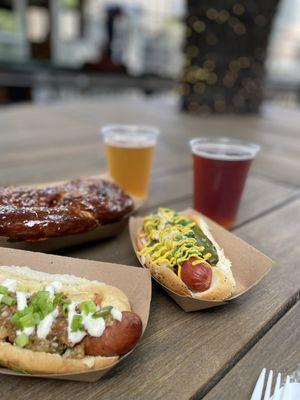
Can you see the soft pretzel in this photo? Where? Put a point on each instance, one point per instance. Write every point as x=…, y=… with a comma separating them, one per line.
x=74, y=207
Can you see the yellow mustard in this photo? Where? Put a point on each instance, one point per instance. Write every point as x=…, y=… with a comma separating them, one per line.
x=171, y=239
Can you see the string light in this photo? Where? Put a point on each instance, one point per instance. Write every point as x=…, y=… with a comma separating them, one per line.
x=223, y=16
x=211, y=13
x=233, y=21
x=212, y=79
x=199, y=26
x=199, y=87
x=234, y=66
x=238, y=9
x=210, y=65
x=225, y=81
x=183, y=89
x=240, y=29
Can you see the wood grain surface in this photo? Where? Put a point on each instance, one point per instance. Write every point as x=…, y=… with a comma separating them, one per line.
x=277, y=351
x=182, y=355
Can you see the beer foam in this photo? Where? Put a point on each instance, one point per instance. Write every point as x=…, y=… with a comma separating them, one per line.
x=225, y=151
x=123, y=140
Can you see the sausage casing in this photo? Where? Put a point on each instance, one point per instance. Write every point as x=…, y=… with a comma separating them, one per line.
x=197, y=277
x=117, y=339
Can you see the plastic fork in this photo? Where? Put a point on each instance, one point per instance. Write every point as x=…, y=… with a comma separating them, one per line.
x=260, y=394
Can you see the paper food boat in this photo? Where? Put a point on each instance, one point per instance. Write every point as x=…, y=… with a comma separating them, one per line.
x=249, y=265
x=135, y=283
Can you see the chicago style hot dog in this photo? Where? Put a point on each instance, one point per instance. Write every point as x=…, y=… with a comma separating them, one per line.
x=62, y=323
x=182, y=254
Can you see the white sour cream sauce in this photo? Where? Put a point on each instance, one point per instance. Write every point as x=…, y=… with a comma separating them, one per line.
x=10, y=284
x=116, y=314
x=94, y=326
x=28, y=331
x=21, y=300
x=74, y=337
x=44, y=327
x=53, y=288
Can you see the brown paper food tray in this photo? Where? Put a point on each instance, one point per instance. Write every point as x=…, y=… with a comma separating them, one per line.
x=135, y=282
x=249, y=265
x=48, y=245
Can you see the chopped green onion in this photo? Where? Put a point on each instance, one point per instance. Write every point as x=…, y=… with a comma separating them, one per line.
x=36, y=318
x=9, y=301
x=76, y=324
x=27, y=321
x=42, y=295
x=42, y=304
x=15, y=320
x=87, y=307
x=25, y=318
x=103, y=313
x=58, y=299
x=21, y=340
x=3, y=290
x=65, y=306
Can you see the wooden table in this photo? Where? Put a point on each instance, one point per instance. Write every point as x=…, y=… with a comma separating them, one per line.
x=215, y=354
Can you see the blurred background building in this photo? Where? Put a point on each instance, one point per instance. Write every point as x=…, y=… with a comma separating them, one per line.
x=53, y=49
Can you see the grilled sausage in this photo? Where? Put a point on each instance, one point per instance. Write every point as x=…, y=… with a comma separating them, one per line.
x=197, y=277
x=117, y=339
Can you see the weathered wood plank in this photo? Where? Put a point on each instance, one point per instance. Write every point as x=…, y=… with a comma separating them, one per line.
x=23, y=130
x=277, y=350
x=280, y=167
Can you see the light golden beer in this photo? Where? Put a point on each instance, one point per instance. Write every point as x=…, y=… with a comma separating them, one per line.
x=130, y=152
x=130, y=167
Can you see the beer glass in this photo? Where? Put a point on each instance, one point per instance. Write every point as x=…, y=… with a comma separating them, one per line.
x=129, y=151
x=221, y=167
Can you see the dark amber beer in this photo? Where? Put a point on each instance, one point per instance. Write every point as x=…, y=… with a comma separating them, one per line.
x=221, y=167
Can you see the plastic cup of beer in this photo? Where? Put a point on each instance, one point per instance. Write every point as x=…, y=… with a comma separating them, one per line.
x=130, y=151
x=221, y=167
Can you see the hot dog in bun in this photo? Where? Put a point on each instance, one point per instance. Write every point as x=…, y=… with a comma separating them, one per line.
x=181, y=254
x=62, y=323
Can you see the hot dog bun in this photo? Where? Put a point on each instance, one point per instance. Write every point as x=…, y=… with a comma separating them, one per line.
x=77, y=289
x=35, y=362
x=222, y=284
x=164, y=275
